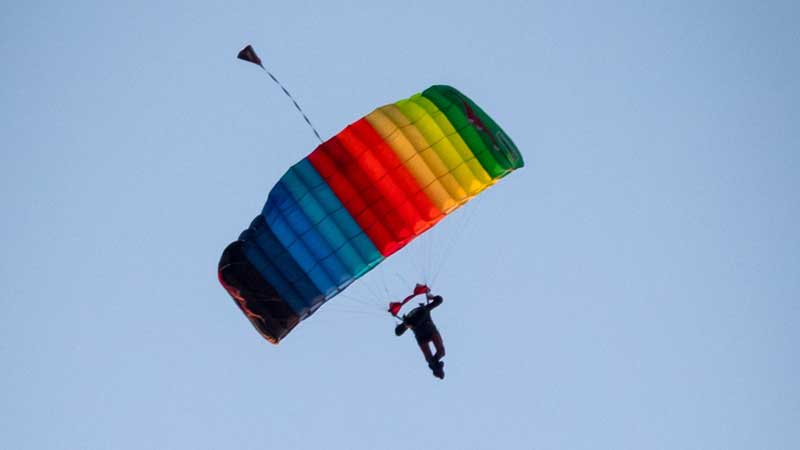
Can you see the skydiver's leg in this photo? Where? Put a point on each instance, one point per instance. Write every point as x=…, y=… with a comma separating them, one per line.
x=426, y=350
x=435, y=362
x=439, y=344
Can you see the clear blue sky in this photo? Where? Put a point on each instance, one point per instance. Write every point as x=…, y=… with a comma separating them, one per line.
x=636, y=286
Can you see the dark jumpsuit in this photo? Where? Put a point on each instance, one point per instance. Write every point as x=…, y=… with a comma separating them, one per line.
x=420, y=322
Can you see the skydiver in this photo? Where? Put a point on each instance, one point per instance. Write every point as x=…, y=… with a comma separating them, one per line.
x=420, y=322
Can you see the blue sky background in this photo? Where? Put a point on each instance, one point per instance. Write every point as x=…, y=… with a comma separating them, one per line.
x=635, y=286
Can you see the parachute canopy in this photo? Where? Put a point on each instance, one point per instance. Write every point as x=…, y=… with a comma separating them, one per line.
x=359, y=197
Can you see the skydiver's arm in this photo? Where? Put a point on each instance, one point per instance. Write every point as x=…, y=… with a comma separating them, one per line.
x=400, y=329
x=437, y=300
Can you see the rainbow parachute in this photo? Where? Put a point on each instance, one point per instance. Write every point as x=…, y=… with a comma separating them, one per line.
x=359, y=197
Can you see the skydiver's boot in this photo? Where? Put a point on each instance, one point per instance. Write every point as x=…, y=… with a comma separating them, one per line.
x=437, y=367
